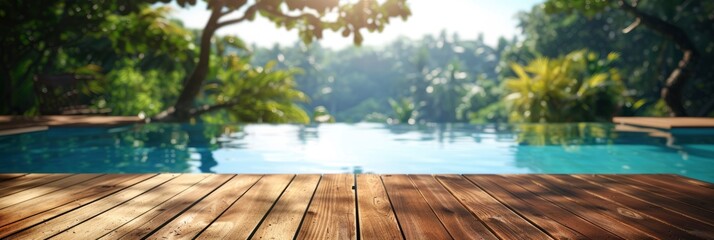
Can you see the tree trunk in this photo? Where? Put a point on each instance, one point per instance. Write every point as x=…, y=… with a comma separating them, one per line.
x=183, y=107
x=672, y=91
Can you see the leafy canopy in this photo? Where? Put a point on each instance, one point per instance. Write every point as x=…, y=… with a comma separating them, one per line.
x=312, y=17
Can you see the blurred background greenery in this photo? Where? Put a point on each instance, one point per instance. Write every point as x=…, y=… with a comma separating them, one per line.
x=573, y=63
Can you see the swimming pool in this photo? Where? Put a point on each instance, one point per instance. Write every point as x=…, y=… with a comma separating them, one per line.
x=359, y=148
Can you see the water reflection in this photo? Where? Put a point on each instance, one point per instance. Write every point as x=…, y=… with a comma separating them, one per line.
x=359, y=148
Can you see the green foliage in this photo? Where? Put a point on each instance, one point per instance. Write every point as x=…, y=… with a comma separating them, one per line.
x=493, y=113
x=254, y=93
x=559, y=26
x=355, y=84
x=321, y=115
x=74, y=36
x=44, y=37
x=142, y=58
x=133, y=91
x=587, y=7
x=148, y=33
x=311, y=18
x=577, y=87
x=404, y=110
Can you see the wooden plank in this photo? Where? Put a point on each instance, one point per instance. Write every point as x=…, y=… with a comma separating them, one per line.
x=114, y=218
x=199, y=216
x=556, y=221
x=241, y=218
x=28, y=182
x=575, y=205
x=617, y=211
x=307, y=207
x=61, y=184
x=46, y=215
x=332, y=213
x=55, y=225
x=499, y=218
x=8, y=176
x=683, y=179
x=671, y=219
x=460, y=223
x=376, y=217
x=74, y=196
x=284, y=219
x=662, y=192
x=653, y=198
x=705, y=195
x=163, y=213
x=11, y=179
x=545, y=216
x=20, y=129
x=415, y=216
x=667, y=122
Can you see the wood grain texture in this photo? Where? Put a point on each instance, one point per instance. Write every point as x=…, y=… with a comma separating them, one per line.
x=8, y=176
x=666, y=122
x=460, y=223
x=241, y=218
x=11, y=179
x=73, y=196
x=677, y=225
x=47, y=214
x=574, y=204
x=45, y=189
x=332, y=213
x=153, y=219
x=167, y=206
x=678, y=179
x=691, y=191
x=376, y=217
x=662, y=201
x=55, y=225
x=129, y=210
x=556, y=221
x=499, y=218
x=415, y=216
x=622, y=213
x=693, y=201
x=284, y=219
x=191, y=222
x=28, y=182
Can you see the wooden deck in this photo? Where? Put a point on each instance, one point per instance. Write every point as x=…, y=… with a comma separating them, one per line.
x=10, y=125
x=345, y=206
x=666, y=122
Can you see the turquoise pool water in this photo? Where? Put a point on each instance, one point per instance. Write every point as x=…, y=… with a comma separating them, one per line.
x=360, y=148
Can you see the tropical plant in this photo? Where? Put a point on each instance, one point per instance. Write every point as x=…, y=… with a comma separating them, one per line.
x=249, y=93
x=404, y=110
x=310, y=18
x=68, y=37
x=577, y=87
x=321, y=115
x=672, y=90
x=44, y=37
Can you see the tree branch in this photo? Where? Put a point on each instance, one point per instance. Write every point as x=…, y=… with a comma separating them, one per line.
x=674, y=85
x=632, y=26
x=237, y=20
x=288, y=17
x=663, y=28
x=210, y=108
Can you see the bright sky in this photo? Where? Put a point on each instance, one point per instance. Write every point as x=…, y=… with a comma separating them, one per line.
x=468, y=18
